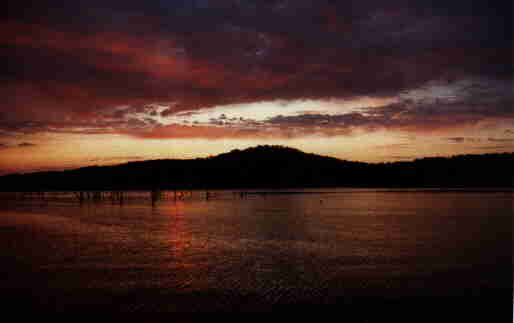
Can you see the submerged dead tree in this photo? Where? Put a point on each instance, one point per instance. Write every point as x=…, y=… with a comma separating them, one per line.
x=155, y=195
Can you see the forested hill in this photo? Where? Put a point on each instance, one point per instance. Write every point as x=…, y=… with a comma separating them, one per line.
x=275, y=167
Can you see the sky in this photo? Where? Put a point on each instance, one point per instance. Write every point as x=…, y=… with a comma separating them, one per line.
x=107, y=82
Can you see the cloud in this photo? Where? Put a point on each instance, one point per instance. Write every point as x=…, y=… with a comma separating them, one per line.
x=456, y=139
x=496, y=148
x=406, y=115
x=26, y=144
x=500, y=139
x=400, y=157
x=99, y=124
x=463, y=139
x=20, y=145
x=178, y=131
x=424, y=109
x=79, y=62
x=394, y=146
x=117, y=158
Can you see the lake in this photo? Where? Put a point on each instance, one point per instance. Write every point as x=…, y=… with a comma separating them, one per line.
x=326, y=247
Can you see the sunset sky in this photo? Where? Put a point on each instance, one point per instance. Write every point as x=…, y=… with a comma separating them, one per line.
x=106, y=82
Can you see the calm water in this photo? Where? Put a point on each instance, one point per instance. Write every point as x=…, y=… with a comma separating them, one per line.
x=291, y=248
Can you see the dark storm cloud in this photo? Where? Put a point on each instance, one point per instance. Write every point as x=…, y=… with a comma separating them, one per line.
x=79, y=60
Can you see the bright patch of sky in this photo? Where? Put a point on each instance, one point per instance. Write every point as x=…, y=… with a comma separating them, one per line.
x=260, y=111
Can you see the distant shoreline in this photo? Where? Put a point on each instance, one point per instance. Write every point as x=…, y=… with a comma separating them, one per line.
x=275, y=168
x=285, y=191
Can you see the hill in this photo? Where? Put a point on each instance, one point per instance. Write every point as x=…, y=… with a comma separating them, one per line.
x=274, y=167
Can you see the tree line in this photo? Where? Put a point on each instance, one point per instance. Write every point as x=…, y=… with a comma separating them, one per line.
x=274, y=167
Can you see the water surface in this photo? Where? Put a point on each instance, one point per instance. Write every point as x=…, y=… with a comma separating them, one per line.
x=228, y=253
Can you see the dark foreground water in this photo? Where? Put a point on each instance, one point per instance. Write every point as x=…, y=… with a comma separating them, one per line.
x=349, y=249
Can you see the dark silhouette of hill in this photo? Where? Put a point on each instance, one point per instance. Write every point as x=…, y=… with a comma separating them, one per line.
x=274, y=167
